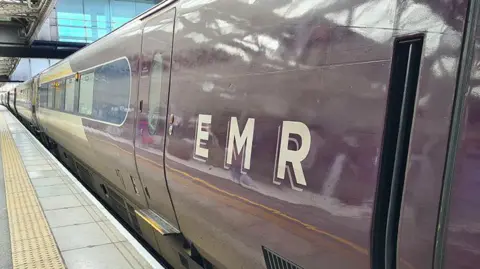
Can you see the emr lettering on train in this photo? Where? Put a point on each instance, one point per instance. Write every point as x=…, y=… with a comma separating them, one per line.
x=240, y=142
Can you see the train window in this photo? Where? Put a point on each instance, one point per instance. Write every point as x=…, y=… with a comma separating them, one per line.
x=76, y=96
x=51, y=95
x=154, y=94
x=69, y=94
x=42, y=94
x=85, y=101
x=60, y=95
x=111, y=92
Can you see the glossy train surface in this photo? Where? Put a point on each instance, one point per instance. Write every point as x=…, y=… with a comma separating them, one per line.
x=278, y=134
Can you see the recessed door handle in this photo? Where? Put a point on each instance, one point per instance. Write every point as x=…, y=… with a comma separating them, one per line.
x=171, y=120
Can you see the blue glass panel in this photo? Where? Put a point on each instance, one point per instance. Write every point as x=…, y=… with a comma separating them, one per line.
x=65, y=8
x=70, y=13
x=88, y=20
x=123, y=8
x=101, y=22
x=122, y=12
x=99, y=10
x=75, y=34
x=70, y=19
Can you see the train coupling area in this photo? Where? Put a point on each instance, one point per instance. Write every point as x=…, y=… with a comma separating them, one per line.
x=48, y=219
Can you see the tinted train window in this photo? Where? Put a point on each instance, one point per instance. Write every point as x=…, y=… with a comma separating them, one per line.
x=60, y=95
x=43, y=96
x=154, y=94
x=112, y=92
x=86, y=93
x=51, y=95
x=71, y=95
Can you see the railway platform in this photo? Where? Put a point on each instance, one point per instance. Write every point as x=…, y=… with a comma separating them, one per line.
x=48, y=219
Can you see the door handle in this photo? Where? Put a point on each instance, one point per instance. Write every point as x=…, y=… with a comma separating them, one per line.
x=141, y=106
x=171, y=120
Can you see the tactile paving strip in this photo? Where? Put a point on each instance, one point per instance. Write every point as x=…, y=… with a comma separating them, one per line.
x=32, y=242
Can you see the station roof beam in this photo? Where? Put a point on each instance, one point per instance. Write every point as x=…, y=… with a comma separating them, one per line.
x=20, y=20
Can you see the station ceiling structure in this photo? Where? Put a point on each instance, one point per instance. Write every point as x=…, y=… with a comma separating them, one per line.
x=20, y=20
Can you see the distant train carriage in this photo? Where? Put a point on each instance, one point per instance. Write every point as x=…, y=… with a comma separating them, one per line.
x=278, y=134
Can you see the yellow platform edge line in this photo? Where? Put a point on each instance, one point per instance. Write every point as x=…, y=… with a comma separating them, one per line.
x=32, y=242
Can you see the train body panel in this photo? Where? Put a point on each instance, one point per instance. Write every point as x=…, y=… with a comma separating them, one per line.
x=64, y=128
x=256, y=128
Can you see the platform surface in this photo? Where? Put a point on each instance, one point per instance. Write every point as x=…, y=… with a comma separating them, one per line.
x=48, y=219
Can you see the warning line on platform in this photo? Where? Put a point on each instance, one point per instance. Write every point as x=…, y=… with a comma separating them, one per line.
x=33, y=245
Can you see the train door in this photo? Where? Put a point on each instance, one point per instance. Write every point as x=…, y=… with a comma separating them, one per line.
x=151, y=121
